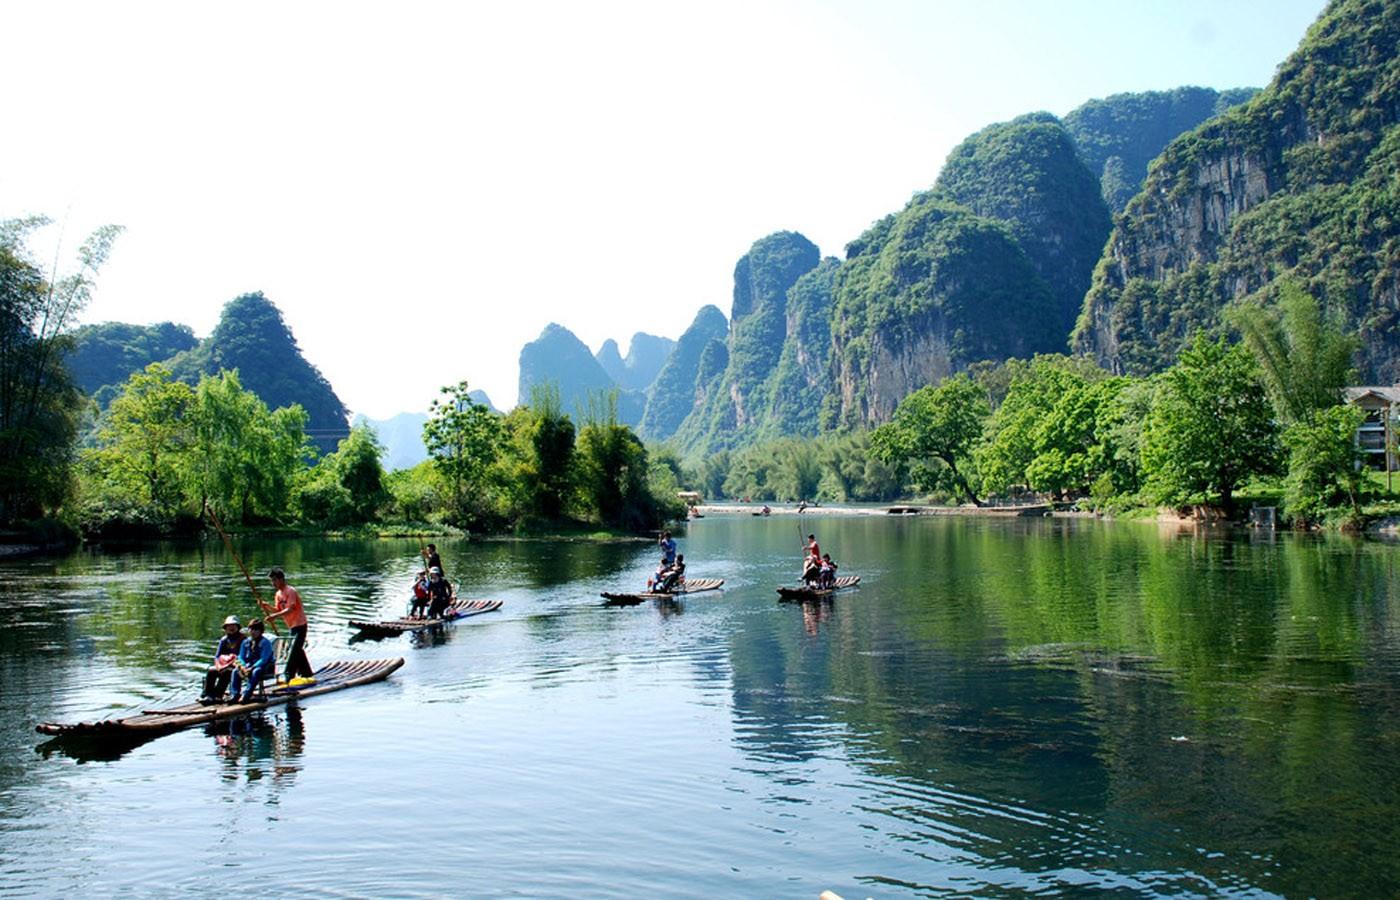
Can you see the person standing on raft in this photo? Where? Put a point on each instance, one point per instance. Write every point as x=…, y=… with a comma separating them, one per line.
x=288, y=608
x=433, y=561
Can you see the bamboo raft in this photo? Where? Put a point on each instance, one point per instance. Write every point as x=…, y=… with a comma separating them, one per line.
x=334, y=676
x=459, y=609
x=813, y=593
x=695, y=586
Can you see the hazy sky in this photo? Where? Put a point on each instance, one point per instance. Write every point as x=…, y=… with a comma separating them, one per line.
x=422, y=187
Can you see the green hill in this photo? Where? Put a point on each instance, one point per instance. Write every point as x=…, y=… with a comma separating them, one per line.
x=1028, y=174
x=253, y=338
x=558, y=357
x=1119, y=135
x=731, y=408
x=1301, y=180
x=104, y=356
x=922, y=295
x=673, y=391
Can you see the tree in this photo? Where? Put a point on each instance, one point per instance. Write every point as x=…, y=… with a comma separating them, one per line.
x=1210, y=426
x=39, y=404
x=463, y=437
x=348, y=486
x=549, y=473
x=244, y=457
x=935, y=429
x=1325, y=466
x=614, y=473
x=144, y=442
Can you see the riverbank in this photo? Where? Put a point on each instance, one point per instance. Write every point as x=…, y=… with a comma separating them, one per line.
x=890, y=509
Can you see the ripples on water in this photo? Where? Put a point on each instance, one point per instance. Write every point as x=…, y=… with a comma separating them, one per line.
x=1002, y=707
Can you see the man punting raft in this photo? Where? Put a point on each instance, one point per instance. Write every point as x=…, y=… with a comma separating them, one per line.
x=434, y=602
x=819, y=577
x=668, y=581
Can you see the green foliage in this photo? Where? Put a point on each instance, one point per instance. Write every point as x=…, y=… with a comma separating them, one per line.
x=672, y=394
x=1210, y=426
x=418, y=494
x=934, y=430
x=144, y=442
x=1304, y=358
x=164, y=450
x=1305, y=175
x=243, y=457
x=347, y=487
x=105, y=355
x=614, y=476
x=1027, y=174
x=39, y=405
x=1119, y=135
x=939, y=276
x=1326, y=472
x=549, y=468
x=463, y=438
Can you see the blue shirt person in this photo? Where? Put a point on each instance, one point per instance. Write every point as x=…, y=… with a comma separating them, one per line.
x=256, y=661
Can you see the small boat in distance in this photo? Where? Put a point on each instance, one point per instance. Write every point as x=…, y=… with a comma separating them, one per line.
x=694, y=586
x=333, y=676
x=815, y=593
x=460, y=609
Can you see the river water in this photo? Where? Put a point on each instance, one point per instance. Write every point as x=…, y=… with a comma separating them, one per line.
x=1002, y=706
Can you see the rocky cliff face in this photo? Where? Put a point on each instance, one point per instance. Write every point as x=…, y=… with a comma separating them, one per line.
x=733, y=408
x=1294, y=182
x=1118, y=136
x=927, y=293
x=673, y=391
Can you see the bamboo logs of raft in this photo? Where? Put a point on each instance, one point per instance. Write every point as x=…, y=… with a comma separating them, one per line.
x=459, y=609
x=693, y=586
x=334, y=676
x=815, y=593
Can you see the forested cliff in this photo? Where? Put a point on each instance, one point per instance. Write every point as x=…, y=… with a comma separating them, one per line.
x=1301, y=180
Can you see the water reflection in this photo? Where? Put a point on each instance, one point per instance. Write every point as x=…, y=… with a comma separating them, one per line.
x=262, y=745
x=1191, y=704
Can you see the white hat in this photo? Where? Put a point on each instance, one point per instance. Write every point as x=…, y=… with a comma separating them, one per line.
x=233, y=620
x=435, y=571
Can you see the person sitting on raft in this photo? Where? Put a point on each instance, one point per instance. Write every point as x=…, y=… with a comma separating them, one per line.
x=672, y=577
x=826, y=575
x=217, y=678
x=811, y=569
x=256, y=663
x=439, y=593
x=420, y=596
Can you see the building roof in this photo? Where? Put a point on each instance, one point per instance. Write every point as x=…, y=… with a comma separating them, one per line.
x=1390, y=394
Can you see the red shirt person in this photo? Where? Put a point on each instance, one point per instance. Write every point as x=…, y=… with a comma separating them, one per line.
x=288, y=608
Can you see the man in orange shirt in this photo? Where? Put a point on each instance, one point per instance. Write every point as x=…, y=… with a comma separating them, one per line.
x=287, y=607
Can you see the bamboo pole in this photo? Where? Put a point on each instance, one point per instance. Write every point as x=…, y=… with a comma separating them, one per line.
x=244, y=569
